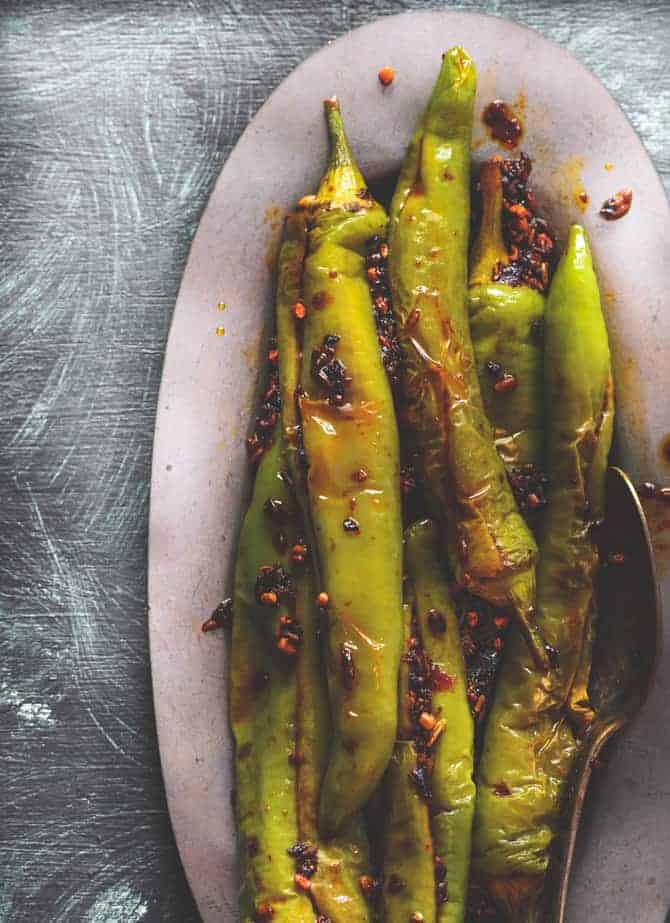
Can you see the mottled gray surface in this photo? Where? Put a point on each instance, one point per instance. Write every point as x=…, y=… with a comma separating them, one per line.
x=115, y=119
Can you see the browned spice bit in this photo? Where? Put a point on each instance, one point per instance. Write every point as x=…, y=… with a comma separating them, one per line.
x=221, y=617
x=494, y=368
x=273, y=354
x=583, y=198
x=380, y=291
x=617, y=205
x=507, y=382
x=351, y=525
x=504, y=125
x=306, y=861
x=323, y=919
x=529, y=486
x=268, y=598
x=264, y=912
x=289, y=635
x=301, y=882
x=395, y=884
x=502, y=789
x=413, y=319
x=436, y=622
x=480, y=703
x=472, y=618
x=369, y=886
x=416, y=917
x=329, y=371
x=552, y=654
x=360, y=475
x=348, y=667
x=386, y=75
x=333, y=273
x=501, y=621
x=299, y=310
x=498, y=644
x=617, y=558
x=322, y=600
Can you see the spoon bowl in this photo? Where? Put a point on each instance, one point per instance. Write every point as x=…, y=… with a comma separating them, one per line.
x=625, y=654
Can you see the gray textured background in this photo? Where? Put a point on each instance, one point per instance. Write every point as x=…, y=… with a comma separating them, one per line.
x=115, y=118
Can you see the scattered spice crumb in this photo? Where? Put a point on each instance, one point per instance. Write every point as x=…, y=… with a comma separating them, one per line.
x=504, y=125
x=386, y=76
x=617, y=205
x=221, y=617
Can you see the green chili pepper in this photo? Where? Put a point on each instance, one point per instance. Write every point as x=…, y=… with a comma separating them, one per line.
x=341, y=861
x=452, y=787
x=532, y=734
x=491, y=549
x=351, y=443
x=506, y=335
x=408, y=857
x=263, y=710
x=290, y=266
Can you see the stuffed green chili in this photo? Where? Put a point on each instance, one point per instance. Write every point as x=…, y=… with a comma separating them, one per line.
x=533, y=731
x=492, y=551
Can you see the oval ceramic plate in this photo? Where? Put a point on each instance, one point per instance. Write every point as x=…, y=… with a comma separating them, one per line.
x=200, y=473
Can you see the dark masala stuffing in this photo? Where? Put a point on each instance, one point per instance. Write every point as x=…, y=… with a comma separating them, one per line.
x=530, y=242
x=617, y=205
x=376, y=263
x=504, y=125
x=270, y=407
x=329, y=371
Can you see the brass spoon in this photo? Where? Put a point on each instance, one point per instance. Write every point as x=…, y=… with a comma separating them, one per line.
x=625, y=653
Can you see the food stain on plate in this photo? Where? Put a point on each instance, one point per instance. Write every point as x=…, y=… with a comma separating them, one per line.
x=571, y=183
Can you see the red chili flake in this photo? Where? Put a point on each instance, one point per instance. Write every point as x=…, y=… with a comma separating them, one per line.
x=502, y=789
x=299, y=310
x=472, y=618
x=436, y=622
x=617, y=205
x=348, y=667
x=505, y=126
x=501, y=621
x=386, y=75
x=351, y=525
x=507, y=382
x=299, y=552
x=221, y=617
x=322, y=600
x=268, y=598
x=395, y=884
x=268, y=413
x=273, y=354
